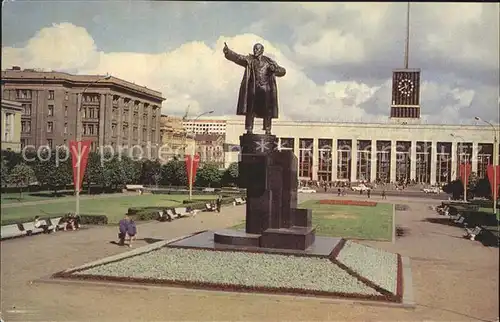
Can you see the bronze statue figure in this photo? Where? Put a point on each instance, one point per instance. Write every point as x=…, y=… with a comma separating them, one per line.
x=258, y=91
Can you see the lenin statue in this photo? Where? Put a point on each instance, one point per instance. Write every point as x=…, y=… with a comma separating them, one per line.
x=258, y=95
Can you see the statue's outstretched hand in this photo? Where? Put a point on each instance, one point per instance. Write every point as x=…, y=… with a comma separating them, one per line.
x=225, y=50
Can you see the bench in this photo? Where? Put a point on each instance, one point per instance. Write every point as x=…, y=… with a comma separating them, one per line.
x=208, y=207
x=181, y=212
x=30, y=228
x=239, y=201
x=460, y=220
x=11, y=231
x=55, y=224
x=164, y=216
x=472, y=233
x=134, y=187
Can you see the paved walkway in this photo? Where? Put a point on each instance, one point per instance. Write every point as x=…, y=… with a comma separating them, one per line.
x=454, y=279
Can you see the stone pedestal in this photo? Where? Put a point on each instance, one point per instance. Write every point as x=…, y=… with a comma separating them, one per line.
x=272, y=217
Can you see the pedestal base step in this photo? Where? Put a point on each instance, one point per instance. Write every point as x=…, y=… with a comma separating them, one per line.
x=236, y=238
x=288, y=238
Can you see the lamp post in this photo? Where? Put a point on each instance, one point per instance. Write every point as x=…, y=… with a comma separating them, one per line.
x=193, y=151
x=459, y=162
x=495, y=156
x=78, y=139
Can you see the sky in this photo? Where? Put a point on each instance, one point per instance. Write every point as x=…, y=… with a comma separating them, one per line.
x=339, y=57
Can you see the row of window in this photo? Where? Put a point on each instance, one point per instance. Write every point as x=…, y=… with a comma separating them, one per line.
x=135, y=132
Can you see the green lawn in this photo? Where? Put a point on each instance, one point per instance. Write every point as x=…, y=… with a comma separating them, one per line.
x=114, y=208
x=356, y=222
x=11, y=198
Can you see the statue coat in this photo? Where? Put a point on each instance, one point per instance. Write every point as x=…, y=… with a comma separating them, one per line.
x=247, y=87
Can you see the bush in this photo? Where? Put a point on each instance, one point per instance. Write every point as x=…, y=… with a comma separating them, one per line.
x=93, y=220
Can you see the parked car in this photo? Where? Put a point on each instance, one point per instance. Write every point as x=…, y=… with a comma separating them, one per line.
x=306, y=190
x=434, y=190
x=360, y=187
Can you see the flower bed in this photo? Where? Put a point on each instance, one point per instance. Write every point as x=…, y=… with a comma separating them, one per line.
x=348, y=202
x=255, y=272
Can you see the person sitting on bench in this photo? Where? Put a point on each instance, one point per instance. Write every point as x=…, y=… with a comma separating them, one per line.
x=38, y=224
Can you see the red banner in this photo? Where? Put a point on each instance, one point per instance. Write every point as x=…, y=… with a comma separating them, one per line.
x=191, y=167
x=489, y=171
x=465, y=171
x=79, y=157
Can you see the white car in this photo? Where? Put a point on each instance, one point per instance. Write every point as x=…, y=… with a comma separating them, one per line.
x=361, y=187
x=306, y=190
x=434, y=190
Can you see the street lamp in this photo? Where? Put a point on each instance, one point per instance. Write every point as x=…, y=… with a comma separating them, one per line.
x=466, y=179
x=193, y=151
x=79, y=138
x=495, y=156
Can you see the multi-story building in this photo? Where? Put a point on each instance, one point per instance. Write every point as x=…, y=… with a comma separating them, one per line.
x=109, y=111
x=210, y=147
x=205, y=126
x=174, y=139
x=11, y=125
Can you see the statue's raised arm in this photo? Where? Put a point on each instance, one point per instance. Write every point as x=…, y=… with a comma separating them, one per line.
x=234, y=57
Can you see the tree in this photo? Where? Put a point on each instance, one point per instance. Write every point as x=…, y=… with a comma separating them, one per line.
x=173, y=173
x=150, y=172
x=5, y=172
x=21, y=176
x=94, y=174
x=53, y=171
x=231, y=175
x=209, y=175
x=483, y=188
x=455, y=188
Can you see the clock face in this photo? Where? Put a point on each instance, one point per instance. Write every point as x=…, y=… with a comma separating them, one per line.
x=405, y=86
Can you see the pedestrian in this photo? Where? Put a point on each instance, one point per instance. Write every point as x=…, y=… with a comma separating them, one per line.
x=383, y=194
x=218, y=203
x=131, y=232
x=123, y=229
x=339, y=191
x=368, y=192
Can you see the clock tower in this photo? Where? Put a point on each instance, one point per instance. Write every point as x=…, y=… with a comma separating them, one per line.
x=405, y=102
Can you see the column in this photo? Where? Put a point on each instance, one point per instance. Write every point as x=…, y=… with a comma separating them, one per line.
x=373, y=162
x=475, y=152
x=315, y=159
x=296, y=151
x=335, y=159
x=120, y=121
x=413, y=160
x=454, y=166
x=78, y=117
x=433, y=162
x=354, y=160
x=393, y=162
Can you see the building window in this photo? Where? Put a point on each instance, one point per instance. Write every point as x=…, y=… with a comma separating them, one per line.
x=8, y=127
x=464, y=156
x=403, y=161
x=24, y=143
x=65, y=128
x=443, y=162
x=153, y=135
x=484, y=158
x=49, y=143
x=144, y=134
x=125, y=131
x=287, y=144
x=50, y=127
x=134, y=133
x=25, y=126
x=423, y=162
x=113, y=129
x=383, y=161
x=305, y=158
x=66, y=96
x=65, y=111
x=114, y=113
x=50, y=111
x=115, y=99
x=23, y=94
x=363, y=162
x=26, y=109
x=93, y=146
x=325, y=160
x=51, y=95
x=344, y=148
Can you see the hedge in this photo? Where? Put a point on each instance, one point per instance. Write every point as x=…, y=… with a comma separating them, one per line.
x=151, y=213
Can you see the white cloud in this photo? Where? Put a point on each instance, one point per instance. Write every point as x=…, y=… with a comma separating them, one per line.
x=337, y=35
